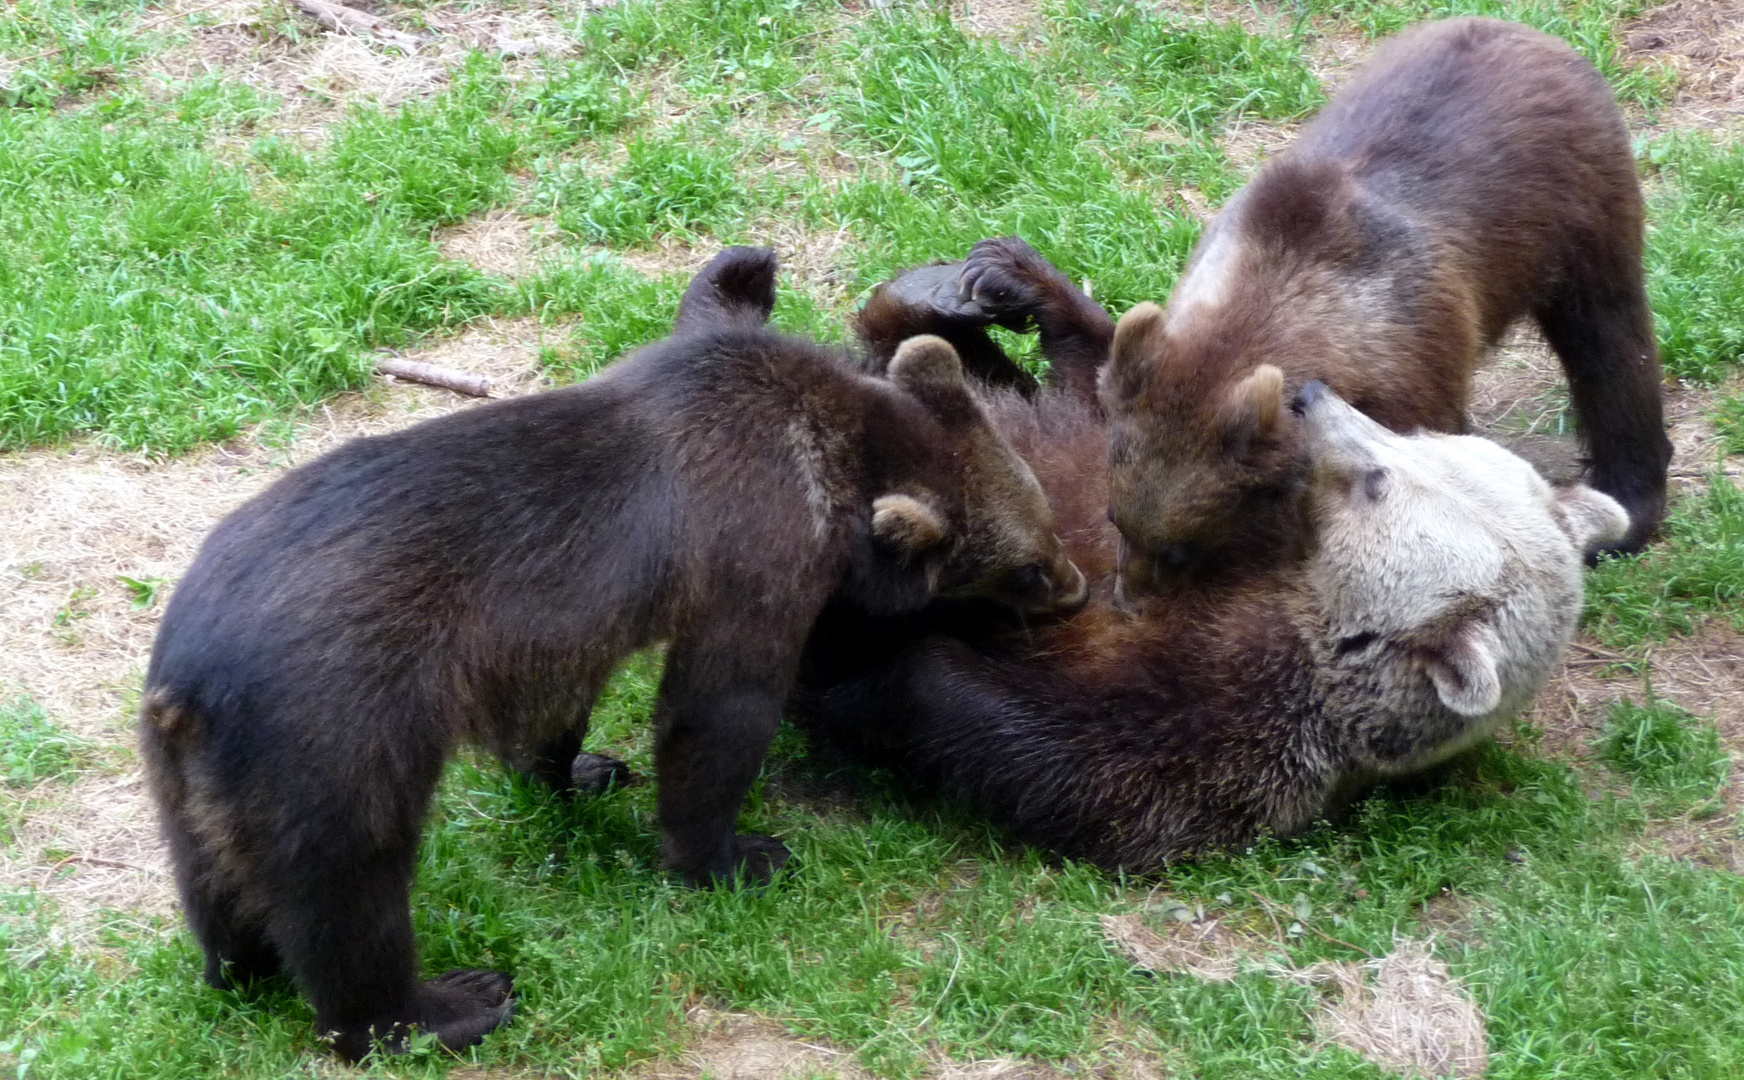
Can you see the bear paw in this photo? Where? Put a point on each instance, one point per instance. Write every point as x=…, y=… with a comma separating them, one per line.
x=461, y=1007
x=758, y=858
x=596, y=774
x=1008, y=280
x=937, y=291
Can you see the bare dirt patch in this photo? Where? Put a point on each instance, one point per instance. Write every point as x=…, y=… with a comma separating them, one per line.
x=500, y=242
x=91, y=846
x=1206, y=950
x=1703, y=42
x=267, y=45
x=1405, y=1012
x=1004, y=19
x=77, y=520
x=744, y=1046
x=738, y=1046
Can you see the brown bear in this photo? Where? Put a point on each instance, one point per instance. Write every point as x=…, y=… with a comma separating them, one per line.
x=475, y=578
x=1473, y=173
x=1442, y=583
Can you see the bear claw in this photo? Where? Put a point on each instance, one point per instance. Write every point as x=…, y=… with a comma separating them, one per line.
x=596, y=774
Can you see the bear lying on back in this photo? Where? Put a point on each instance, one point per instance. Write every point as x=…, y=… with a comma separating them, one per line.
x=476, y=578
x=1472, y=174
x=1443, y=584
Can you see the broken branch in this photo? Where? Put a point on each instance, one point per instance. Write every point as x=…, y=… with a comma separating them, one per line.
x=462, y=382
x=348, y=20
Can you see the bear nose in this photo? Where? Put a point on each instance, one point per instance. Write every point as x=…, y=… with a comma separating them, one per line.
x=1182, y=556
x=1312, y=391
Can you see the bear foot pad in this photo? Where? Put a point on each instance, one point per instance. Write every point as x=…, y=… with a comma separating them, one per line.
x=938, y=289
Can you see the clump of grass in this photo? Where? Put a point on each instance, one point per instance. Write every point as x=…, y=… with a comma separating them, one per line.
x=1665, y=749
x=757, y=46
x=575, y=101
x=1696, y=228
x=676, y=184
x=150, y=292
x=63, y=47
x=34, y=748
x=1191, y=74
x=1670, y=588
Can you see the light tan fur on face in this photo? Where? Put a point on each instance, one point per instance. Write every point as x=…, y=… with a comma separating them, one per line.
x=1456, y=566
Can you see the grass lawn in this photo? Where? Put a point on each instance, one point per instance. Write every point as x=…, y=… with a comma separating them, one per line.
x=214, y=217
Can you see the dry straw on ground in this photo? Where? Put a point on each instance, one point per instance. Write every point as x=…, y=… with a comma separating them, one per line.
x=1404, y=1011
x=1702, y=41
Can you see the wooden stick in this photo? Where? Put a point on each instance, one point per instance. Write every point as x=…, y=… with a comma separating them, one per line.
x=461, y=382
x=347, y=20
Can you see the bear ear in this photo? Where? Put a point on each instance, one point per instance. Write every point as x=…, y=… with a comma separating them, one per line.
x=1254, y=404
x=1463, y=665
x=927, y=367
x=906, y=522
x=1590, y=517
x=1138, y=339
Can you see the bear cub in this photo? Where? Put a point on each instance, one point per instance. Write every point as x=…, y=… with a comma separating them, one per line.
x=477, y=577
x=1474, y=173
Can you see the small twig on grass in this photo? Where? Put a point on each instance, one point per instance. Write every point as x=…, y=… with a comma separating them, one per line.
x=461, y=382
x=92, y=860
x=347, y=20
x=1598, y=653
x=1271, y=904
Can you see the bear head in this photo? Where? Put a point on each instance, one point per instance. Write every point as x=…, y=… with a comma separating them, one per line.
x=1205, y=470
x=996, y=541
x=1447, y=577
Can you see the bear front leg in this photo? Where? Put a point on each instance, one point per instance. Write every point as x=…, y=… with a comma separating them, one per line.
x=1015, y=286
x=713, y=723
x=929, y=300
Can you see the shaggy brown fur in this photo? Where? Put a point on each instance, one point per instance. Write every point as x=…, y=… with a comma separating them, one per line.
x=477, y=577
x=1223, y=709
x=1474, y=173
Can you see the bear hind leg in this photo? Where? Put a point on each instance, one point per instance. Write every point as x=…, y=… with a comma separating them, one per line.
x=345, y=931
x=1601, y=328
x=236, y=946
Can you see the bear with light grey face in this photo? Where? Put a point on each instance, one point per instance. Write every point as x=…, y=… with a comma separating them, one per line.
x=1443, y=584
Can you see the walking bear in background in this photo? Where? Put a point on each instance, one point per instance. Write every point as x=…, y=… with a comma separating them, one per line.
x=477, y=577
x=1473, y=173
x=1440, y=587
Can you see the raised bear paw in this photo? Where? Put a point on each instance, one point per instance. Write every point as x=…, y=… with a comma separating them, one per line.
x=596, y=774
x=1008, y=280
x=937, y=291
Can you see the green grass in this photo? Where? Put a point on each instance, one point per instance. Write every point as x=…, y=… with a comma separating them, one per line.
x=174, y=265
x=34, y=748
x=1666, y=750
x=1695, y=572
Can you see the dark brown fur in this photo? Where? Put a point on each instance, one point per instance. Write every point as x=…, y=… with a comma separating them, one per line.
x=476, y=578
x=1219, y=710
x=1474, y=173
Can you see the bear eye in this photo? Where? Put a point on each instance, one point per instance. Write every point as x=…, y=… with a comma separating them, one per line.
x=1374, y=483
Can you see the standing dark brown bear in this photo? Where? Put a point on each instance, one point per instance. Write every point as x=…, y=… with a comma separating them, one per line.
x=476, y=578
x=1473, y=173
